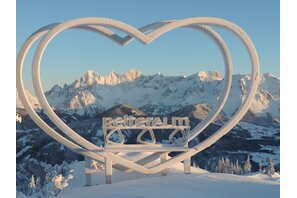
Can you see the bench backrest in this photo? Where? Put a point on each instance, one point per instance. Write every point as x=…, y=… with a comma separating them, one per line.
x=145, y=125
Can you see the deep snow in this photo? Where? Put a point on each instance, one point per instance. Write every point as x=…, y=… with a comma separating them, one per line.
x=176, y=185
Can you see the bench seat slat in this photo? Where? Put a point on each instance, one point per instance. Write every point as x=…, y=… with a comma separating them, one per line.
x=145, y=148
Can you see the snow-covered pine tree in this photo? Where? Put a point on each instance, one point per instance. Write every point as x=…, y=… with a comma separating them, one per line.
x=217, y=168
x=232, y=168
x=270, y=170
x=46, y=190
x=260, y=166
x=205, y=167
x=95, y=165
x=221, y=167
x=197, y=166
x=56, y=179
x=228, y=167
x=38, y=185
x=194, y=164
x=238, y=169
x=60, y=182
x=47, y=178
x=212, y=166
x=65, y=168
x=247, y=166
x=31, y=186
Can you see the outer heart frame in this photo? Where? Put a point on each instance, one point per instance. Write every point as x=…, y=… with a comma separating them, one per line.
x=98, y=24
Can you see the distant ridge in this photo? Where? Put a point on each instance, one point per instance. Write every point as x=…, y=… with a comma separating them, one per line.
x=91, y=77
x=92, y=94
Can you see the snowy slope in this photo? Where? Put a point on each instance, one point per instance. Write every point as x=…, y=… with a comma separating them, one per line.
x=158, y=94
x=176, y=185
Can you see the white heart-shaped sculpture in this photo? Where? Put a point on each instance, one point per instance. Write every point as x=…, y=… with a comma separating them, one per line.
x=99, y=25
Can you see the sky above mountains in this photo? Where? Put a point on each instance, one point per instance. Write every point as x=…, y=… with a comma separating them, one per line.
x=179, y=52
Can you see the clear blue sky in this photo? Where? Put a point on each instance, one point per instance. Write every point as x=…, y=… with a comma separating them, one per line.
x=74, y=51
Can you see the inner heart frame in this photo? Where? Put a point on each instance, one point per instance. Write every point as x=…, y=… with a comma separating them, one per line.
x=100, y=25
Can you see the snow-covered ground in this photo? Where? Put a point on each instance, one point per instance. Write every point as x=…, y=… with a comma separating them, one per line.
x=176, y=185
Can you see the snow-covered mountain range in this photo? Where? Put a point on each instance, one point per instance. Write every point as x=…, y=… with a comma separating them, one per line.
x=158, y=94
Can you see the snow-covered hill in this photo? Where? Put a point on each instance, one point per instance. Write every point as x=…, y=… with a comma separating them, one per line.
x=199, y=184
x=157, y=94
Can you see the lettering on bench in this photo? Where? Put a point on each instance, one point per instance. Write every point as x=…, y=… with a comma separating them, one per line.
x=139, y=122
x=111, y=126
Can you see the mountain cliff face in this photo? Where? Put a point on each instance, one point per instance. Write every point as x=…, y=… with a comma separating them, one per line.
x=92, y=94
x=90, y=78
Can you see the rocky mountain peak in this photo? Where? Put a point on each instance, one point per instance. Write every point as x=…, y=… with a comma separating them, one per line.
x=133, y=74
x=209, y=75
x=270, y=75
x=55, y=88
x=91, y=77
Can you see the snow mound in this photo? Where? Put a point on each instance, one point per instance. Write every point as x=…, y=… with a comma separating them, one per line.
x=200, y=183
x=259, y=175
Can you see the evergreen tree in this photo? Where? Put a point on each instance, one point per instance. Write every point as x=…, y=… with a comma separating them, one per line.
x=233, y=167
x=227, y=166
x=238, y=169
x=32, y=186
x=247, y=166
x=65, y=168
x=59, y=183
x=221, y=168
x=195, y=165
x=213, y=166
x=224, y=165
x=260, y=166
x=47, y=178
x=270, y=170
x=38, y=185
x=217, y=169
x=95, y=165
x=56, y=179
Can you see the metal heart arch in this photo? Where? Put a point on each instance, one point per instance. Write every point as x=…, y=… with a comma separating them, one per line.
x=100, y=25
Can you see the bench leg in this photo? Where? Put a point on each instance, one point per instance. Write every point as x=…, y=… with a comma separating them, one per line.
x=163, y=159
x=108, y=171
x=187, y=166
x=88, y=172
